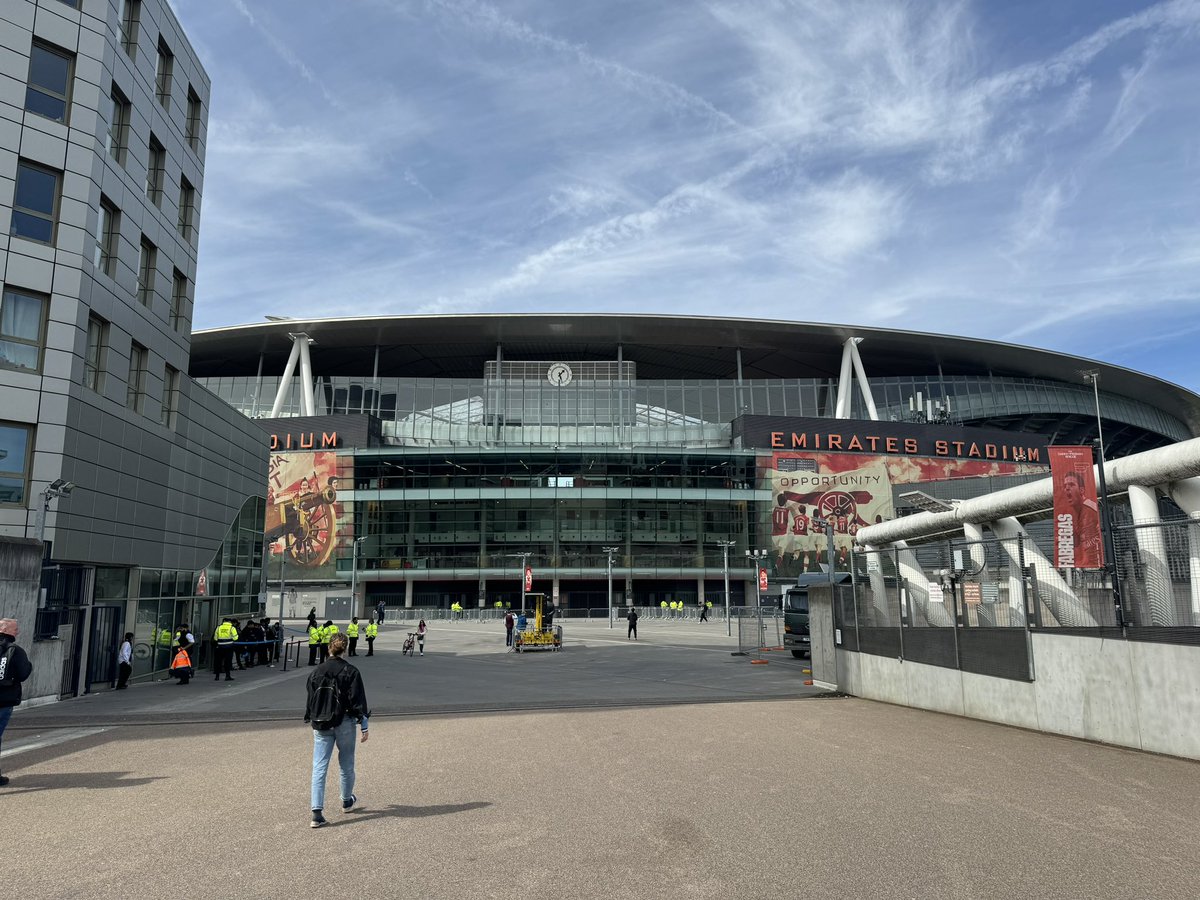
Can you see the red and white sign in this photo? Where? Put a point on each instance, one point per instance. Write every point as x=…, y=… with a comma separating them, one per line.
x=762, y=579
x=528, y=579
x=1078, y=542
x=202, y=583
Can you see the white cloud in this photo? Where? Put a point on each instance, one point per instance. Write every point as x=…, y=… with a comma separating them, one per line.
x=960, y=166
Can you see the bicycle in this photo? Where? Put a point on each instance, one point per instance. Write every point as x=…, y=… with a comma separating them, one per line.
x=409, y=644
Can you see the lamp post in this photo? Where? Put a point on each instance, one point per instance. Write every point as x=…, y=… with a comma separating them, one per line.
x=725, y=545
x=354, y=575
x=523, y=556
x=757, y=557
x=282, y=582
x=610, y=551
x=1106, y=524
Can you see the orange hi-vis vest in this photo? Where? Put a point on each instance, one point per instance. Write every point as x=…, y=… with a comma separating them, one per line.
x=181, y=660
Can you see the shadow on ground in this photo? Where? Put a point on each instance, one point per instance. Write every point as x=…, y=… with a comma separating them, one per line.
x=398, y=811
x=27, y=784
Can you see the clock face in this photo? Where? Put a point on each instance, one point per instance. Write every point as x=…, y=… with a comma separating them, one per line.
x=559, y=374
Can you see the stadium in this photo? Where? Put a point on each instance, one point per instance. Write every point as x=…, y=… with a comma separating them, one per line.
x=444, y=459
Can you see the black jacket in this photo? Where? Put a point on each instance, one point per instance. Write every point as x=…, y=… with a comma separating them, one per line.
x=354, y=695
x=22, y=668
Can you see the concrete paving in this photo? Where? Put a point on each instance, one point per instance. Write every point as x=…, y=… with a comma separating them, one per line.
x=666, y=769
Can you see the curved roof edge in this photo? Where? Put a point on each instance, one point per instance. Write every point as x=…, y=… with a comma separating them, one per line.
x=769, y=347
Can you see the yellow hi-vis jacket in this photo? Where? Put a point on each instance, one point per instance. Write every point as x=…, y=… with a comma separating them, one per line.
x=352, y=630
x=225, y=633
x=314, y=635
x=372, y=630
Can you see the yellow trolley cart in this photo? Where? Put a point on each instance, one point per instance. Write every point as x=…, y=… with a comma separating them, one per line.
x=543, y=635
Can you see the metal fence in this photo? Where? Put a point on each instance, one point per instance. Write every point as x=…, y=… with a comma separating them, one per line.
x=970, y=604
x=758, y=633
x=958, y=604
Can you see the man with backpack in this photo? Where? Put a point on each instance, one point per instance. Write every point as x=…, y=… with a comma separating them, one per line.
x=336, y=701
x=14, y=669
x=509, y=622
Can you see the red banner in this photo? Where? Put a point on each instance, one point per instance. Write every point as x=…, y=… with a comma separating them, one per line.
x=762, y=579
x=528, y=579
x=1078, y=542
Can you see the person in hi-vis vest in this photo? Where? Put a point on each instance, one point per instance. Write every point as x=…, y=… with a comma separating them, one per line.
x=314, y=641
x=225, y=636
x=372, y=633
x=352, y=633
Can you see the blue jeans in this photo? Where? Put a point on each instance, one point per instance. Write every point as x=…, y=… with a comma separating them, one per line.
x=5, y=715
x=323, y=742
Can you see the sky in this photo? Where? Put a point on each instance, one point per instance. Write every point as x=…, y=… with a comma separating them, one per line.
x=1023, y=171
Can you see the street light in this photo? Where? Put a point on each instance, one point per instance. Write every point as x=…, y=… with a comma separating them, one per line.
x=725, y=545
x=610, y=551
x=523, y=556
x=354, y=574
x=758, y=557
x=1106, y=524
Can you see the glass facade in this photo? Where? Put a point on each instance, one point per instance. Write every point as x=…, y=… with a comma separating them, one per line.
x=159, y=600
x=683, y=413
x=564, y=466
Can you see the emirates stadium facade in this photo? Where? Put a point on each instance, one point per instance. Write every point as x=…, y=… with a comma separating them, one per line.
x=428, y=460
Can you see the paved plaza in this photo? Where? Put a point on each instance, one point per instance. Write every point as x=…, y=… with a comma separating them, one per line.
x=669, y=768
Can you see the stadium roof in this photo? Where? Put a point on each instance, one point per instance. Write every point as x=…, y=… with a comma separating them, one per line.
x=662, y=346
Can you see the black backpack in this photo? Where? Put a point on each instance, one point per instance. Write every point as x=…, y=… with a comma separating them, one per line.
x=7, y=677
x=326, y=708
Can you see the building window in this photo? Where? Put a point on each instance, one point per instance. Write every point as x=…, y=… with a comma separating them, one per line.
x=193, y=120
x=74, y=4
x=156, y=171
x=35, y=202
x=97, y=347
x=179, y=300
x=147, y=264
x=162, y=79
x=170, y=398
x=22, y=326
x=118, y=125
x=15, y=443
x=187, y=207
x=49, y=91
x=107, y=229
x=135, y=392
x=131, y=14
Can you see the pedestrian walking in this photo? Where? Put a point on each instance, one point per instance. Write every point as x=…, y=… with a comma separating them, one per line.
x=372, y=633
x=337, y=701
x=509, y=622
x=421, y=637
x=226, y=637
x=352, y=634
x=125, y=661
x=703, y=612
x=14, y=669
x=380, y=608
x=632, y=618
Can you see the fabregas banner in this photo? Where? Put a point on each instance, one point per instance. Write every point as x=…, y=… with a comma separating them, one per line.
x=1078, y=542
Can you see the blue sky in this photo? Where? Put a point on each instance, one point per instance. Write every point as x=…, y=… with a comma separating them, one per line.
x=1023, y=171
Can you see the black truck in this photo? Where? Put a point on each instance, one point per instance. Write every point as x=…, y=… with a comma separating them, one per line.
x=794, y=598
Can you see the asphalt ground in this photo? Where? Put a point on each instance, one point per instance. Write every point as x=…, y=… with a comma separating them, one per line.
x=664, y=769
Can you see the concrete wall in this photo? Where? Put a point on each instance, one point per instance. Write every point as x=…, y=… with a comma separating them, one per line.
x=1130, y=693
x=20, y=574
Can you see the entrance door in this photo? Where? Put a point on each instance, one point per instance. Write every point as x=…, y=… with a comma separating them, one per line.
x=103, y=644
x=337, y=608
